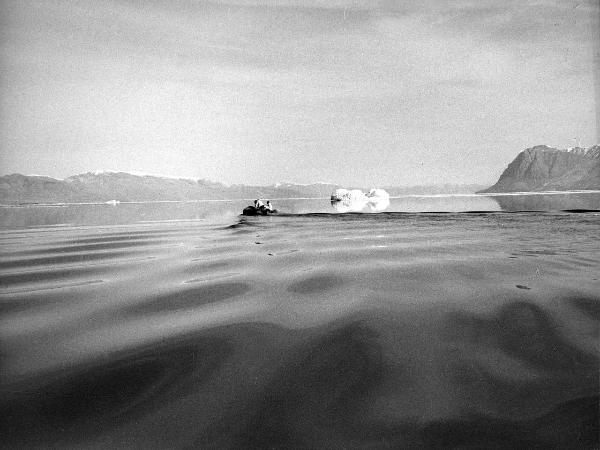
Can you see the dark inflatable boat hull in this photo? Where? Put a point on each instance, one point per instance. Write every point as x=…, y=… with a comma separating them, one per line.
x=252, y=211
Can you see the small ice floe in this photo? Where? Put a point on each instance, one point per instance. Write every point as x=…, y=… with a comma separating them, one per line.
x=355, y=200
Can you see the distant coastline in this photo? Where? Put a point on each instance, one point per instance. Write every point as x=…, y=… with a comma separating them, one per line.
x=537, y=169
x=23, y=190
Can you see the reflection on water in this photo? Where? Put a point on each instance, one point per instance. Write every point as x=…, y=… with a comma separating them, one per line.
x=227, y=211
x=555, y=202
x=301, y=330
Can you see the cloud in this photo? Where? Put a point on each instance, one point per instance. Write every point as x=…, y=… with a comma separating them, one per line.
x=221, y=85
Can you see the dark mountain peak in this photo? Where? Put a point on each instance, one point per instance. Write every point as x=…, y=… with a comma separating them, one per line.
x=543, y=168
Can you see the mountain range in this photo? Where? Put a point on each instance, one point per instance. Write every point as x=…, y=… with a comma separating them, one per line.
x=17, y=189
x=540, y=168
x=543, y=168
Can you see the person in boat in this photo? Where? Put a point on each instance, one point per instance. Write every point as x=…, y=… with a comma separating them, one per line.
x=259, y=208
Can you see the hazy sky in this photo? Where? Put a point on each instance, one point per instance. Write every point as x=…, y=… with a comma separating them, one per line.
x=356, y=92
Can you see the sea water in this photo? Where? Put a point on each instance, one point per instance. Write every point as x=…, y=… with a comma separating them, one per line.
x=444, y=322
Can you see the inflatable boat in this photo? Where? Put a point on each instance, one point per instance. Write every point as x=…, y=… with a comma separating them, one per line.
x=253, y=211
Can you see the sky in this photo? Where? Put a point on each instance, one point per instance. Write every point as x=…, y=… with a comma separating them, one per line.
x=352, y=92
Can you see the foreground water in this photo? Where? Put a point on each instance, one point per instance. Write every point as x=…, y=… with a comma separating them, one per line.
x=180, y=326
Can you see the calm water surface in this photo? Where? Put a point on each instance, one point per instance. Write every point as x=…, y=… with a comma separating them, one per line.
x=185, y=325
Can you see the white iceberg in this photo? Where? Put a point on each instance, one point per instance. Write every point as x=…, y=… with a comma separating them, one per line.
x=355, y=200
